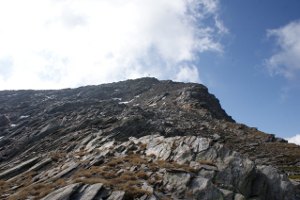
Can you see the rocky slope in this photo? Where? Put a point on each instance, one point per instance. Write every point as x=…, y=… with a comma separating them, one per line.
x=137, y=139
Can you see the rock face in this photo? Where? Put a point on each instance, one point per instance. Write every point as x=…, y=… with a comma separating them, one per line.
x=4, y=121
x=137, y=139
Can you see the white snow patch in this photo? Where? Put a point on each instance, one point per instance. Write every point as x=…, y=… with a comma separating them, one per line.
x=24, y=116
x=153, y=104
x=117, y=99
x=126, y=102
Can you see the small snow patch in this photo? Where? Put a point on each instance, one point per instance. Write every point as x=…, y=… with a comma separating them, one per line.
x=126, y=102
x=52, y=97
x=117, y=99
x=24, y=116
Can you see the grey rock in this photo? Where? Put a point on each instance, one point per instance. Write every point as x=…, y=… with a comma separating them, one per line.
x=72, y=166
x=48, y=129
x=183, y=154
x=227, y=194
x=203, y=189
x=182, y=148
x=91, y=191
x=239, y=197
x=147, y=187
x=152, y=197
x=216, y=137
x=92, y=144
x=41, y=164
x=176, y=182
x=281, y=140
x=4, y=120
x=63, y=193
x=19, y=168
x=116, y=195
x=133, y=168
x=210, y=174
x=273, y=185
x=234, y=171
x=200, y=144
x=98, y=160
x=158, y=146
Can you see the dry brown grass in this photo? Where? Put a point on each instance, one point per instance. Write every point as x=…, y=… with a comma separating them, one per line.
x=207, y=162
x=37, y=191
x=142, y=175
x=27, y=188
x=132, y=192
x=83, y=173
x=115, y=162
x=93, y=180
x=126, y=183
x=104, y=171
x=294, y=177
x=56, y=155
x=4, y=186
x=135, y=159
x=174, y=166
x=108, y=175
x=2, y=183
x=128, y=176
x=60, y=182
x=153, y=167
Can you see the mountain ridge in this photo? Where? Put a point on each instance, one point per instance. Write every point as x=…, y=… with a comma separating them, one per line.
x=157, y=132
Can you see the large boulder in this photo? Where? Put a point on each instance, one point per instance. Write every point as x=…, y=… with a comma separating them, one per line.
x=271, y=184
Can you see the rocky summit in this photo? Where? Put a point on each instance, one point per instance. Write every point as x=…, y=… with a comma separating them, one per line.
x=138, y=139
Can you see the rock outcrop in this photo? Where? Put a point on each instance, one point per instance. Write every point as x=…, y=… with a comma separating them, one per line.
x=137, y=139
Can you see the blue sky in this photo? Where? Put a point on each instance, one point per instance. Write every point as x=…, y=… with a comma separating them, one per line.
x=240, y=78
x=246, y=52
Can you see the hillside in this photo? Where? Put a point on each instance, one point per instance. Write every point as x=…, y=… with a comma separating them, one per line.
x=137, y=139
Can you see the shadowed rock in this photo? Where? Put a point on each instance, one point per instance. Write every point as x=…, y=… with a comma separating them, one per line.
x=18, y=169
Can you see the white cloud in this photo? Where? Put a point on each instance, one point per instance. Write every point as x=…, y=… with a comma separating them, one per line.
x=5, y=67
x=286, y=60
x=187, y=73
x=67, y=43
x=295, y=139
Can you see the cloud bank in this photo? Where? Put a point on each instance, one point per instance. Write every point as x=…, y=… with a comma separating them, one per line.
x=68, y=43
x=295, y=139
x=286, y=59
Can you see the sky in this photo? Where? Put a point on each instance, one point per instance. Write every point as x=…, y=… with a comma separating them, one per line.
x=246, y=52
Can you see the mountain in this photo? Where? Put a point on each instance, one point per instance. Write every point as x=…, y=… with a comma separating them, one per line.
x=137, y=139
